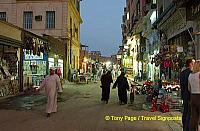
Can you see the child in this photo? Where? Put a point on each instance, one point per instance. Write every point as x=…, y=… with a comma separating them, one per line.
x=132, y=93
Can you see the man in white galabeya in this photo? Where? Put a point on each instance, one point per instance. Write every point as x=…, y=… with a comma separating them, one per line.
x=52, y=86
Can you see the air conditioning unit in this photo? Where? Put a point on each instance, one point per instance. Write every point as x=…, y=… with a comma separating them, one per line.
x=38, y=18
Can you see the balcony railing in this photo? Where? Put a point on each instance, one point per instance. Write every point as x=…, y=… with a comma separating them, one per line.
x=149, y=7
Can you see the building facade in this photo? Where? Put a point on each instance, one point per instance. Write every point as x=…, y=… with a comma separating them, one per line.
x=159, y=35
x=15, y=74
x=58, y=19
x=73, y=35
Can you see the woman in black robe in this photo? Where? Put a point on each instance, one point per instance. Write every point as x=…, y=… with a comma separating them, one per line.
x=123, y=86
x=106, y=80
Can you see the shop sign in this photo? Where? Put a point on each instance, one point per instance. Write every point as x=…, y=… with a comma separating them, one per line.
x=33, y=57
x=179, y=49
x=174, y=30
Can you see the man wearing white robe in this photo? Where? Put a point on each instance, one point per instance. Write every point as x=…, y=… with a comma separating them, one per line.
x=52, y=86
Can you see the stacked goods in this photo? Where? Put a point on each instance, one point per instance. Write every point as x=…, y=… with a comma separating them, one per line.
x=164, y=107
x=154, y=105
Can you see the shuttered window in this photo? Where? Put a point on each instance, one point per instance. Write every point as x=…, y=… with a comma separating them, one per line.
x=28, y=19
x=50, y=19
x=3, y=16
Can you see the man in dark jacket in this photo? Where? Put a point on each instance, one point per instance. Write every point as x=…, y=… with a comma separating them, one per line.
x=185, y=95
x=123, y=86
x=106, y=80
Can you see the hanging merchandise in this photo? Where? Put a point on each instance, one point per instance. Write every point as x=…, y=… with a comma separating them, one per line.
x=38, y=50
x=28, y=42
x=42, y=48
x=36, y=45
x=167, y=63
x=153, y=60
x=166, y=48
x=34, y=48
x=46, y=47
x=173, y=48
x=157, y=60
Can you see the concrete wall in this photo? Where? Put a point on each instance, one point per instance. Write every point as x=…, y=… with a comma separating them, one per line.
x=14, y=11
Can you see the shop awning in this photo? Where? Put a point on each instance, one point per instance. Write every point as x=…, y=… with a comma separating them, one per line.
x=10, y=42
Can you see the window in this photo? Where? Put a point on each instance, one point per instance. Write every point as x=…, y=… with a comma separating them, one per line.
x=78, y=5
x=3, y=16
x=28, y=19
x=50, y=19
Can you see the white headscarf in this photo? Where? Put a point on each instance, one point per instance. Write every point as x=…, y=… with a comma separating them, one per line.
x=52, y=68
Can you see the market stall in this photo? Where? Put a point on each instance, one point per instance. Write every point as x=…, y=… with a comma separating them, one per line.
x=35, y=62
x=9, y=79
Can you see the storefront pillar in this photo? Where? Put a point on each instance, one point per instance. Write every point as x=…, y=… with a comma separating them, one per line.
x=21, y=70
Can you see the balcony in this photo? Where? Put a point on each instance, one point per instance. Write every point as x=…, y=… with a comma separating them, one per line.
x=125, y=9
x=124, y=18
x=149, y=7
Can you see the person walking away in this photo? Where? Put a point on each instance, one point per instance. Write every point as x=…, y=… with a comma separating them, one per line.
x=194, y=88
x=123, y=86
x=185, y=95
x=106, y=80
x=52, y=86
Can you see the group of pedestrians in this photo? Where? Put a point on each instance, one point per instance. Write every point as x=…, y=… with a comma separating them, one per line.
x=190, y=93
x=121, y=82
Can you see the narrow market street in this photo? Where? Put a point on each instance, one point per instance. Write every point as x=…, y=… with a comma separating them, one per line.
x=80, y=109
x=59, y=57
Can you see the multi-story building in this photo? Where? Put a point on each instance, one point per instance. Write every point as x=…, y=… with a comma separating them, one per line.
x=53, y=19
x=73, y=25
x=131, y=30
x=139, y=37
x=159, y=35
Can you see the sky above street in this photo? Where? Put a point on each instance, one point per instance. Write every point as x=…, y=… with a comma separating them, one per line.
x=101, y=28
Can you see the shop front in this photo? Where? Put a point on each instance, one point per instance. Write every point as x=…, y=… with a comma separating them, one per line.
x=35, y=59
x=35, y=68
x=56, y=55
x=10, y=45
x=177, y=45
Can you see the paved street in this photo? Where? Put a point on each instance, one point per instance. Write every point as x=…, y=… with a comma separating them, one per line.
x=80, y=109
